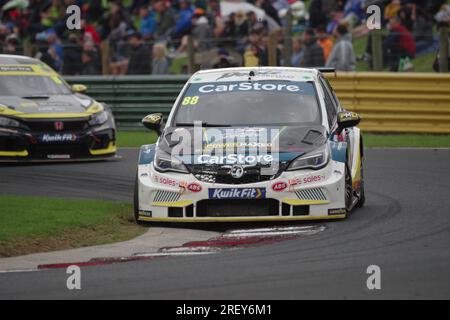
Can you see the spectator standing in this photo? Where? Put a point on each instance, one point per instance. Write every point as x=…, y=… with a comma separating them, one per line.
x=92, y=58
x=140, y=58
x=253, y=52
x=201, y=31
x=183, y=25
x=422, y=30
x=297, y=52
x=160, y=63
x=147, y=25
x=72, y=56
x=165, y=19
x=324, y=41
x=342, y=56
x=398, y=44
x=313, y=53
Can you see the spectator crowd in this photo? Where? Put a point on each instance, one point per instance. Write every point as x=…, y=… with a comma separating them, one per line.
x=157, y=36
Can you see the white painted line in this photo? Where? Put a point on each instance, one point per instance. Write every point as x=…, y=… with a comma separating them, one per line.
x=276, y=231
x=270, y=234
x=18, y=271
x=299, y=228
x=194, y=249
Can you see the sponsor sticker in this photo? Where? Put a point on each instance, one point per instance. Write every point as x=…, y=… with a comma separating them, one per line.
x=194, y=187
x=336, y=211
x=235, y=159
x=15, y=69
x=145, y=213
x=279, y=186
x=58, y=156
x=58, y=138
x=237, y=193
x=306, y=180
x=166, y=181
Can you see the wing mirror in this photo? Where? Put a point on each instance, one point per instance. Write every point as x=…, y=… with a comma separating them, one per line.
x=154, y=122
x=79, y=88
x=347, y=119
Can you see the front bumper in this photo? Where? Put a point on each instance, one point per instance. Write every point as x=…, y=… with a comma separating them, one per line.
x=294, y=195
x=88, y=144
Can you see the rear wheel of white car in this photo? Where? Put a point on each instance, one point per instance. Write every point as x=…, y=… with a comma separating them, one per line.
x=362, y=196
x=348, y=189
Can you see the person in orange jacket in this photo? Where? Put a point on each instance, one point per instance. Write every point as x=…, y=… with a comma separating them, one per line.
x=324, y=41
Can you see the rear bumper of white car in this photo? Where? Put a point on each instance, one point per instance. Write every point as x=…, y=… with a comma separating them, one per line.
x=294, y=195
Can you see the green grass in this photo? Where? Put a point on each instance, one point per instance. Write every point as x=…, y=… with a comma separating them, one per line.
x=132, y=139
x=138, y=138
x=29, y=224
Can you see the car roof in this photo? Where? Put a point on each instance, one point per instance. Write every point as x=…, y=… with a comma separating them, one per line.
x=7, y=59
x=259, y=73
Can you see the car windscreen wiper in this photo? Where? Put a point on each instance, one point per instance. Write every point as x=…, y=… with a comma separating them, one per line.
x=203, y=124
x=36, y=96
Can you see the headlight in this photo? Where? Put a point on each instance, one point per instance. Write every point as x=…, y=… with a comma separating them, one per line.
x=98, y=118
x=316, y=159
x=8, y=122
x=165, y=162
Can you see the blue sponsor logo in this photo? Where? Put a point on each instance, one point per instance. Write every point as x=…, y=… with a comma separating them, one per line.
x=237, y=193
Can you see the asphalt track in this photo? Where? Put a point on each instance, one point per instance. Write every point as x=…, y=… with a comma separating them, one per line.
x=404, y=229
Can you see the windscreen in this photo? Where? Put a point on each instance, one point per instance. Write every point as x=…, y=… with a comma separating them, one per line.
x=254, y=103
x=26, y=86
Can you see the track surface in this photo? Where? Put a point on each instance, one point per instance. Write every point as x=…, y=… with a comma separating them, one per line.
x=404, y=229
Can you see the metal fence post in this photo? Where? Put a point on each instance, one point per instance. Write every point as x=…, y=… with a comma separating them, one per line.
x=443, y=49
x=104, y=45
x=377, y=50
x=272, y=48
x=288, y=39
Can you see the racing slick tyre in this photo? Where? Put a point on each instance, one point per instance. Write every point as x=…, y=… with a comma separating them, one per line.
x=348, y=189
x=136, y=201
x=362, y=195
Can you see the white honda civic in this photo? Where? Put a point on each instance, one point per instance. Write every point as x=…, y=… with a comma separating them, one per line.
x=252, y=144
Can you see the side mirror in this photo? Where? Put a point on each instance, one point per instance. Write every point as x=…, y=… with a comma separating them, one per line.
x=154, y=122
x=347, y=119
x=79, y=88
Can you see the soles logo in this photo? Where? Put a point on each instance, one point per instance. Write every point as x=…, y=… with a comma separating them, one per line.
x=237, y=193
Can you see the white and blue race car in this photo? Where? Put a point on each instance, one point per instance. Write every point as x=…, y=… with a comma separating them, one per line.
x=252, y=144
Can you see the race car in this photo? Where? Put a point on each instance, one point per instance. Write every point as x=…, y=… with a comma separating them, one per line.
x=42, y=118
x=252, y=144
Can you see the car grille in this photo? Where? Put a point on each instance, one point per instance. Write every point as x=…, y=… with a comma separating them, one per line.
x=49, y=126
x=221, y=174
x=237, y=207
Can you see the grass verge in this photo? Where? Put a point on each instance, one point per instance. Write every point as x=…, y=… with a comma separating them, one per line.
x=138, y=138
x=31, y=225
x=134, y=139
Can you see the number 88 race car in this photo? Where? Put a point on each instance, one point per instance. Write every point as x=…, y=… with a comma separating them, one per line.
x=252, y=144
